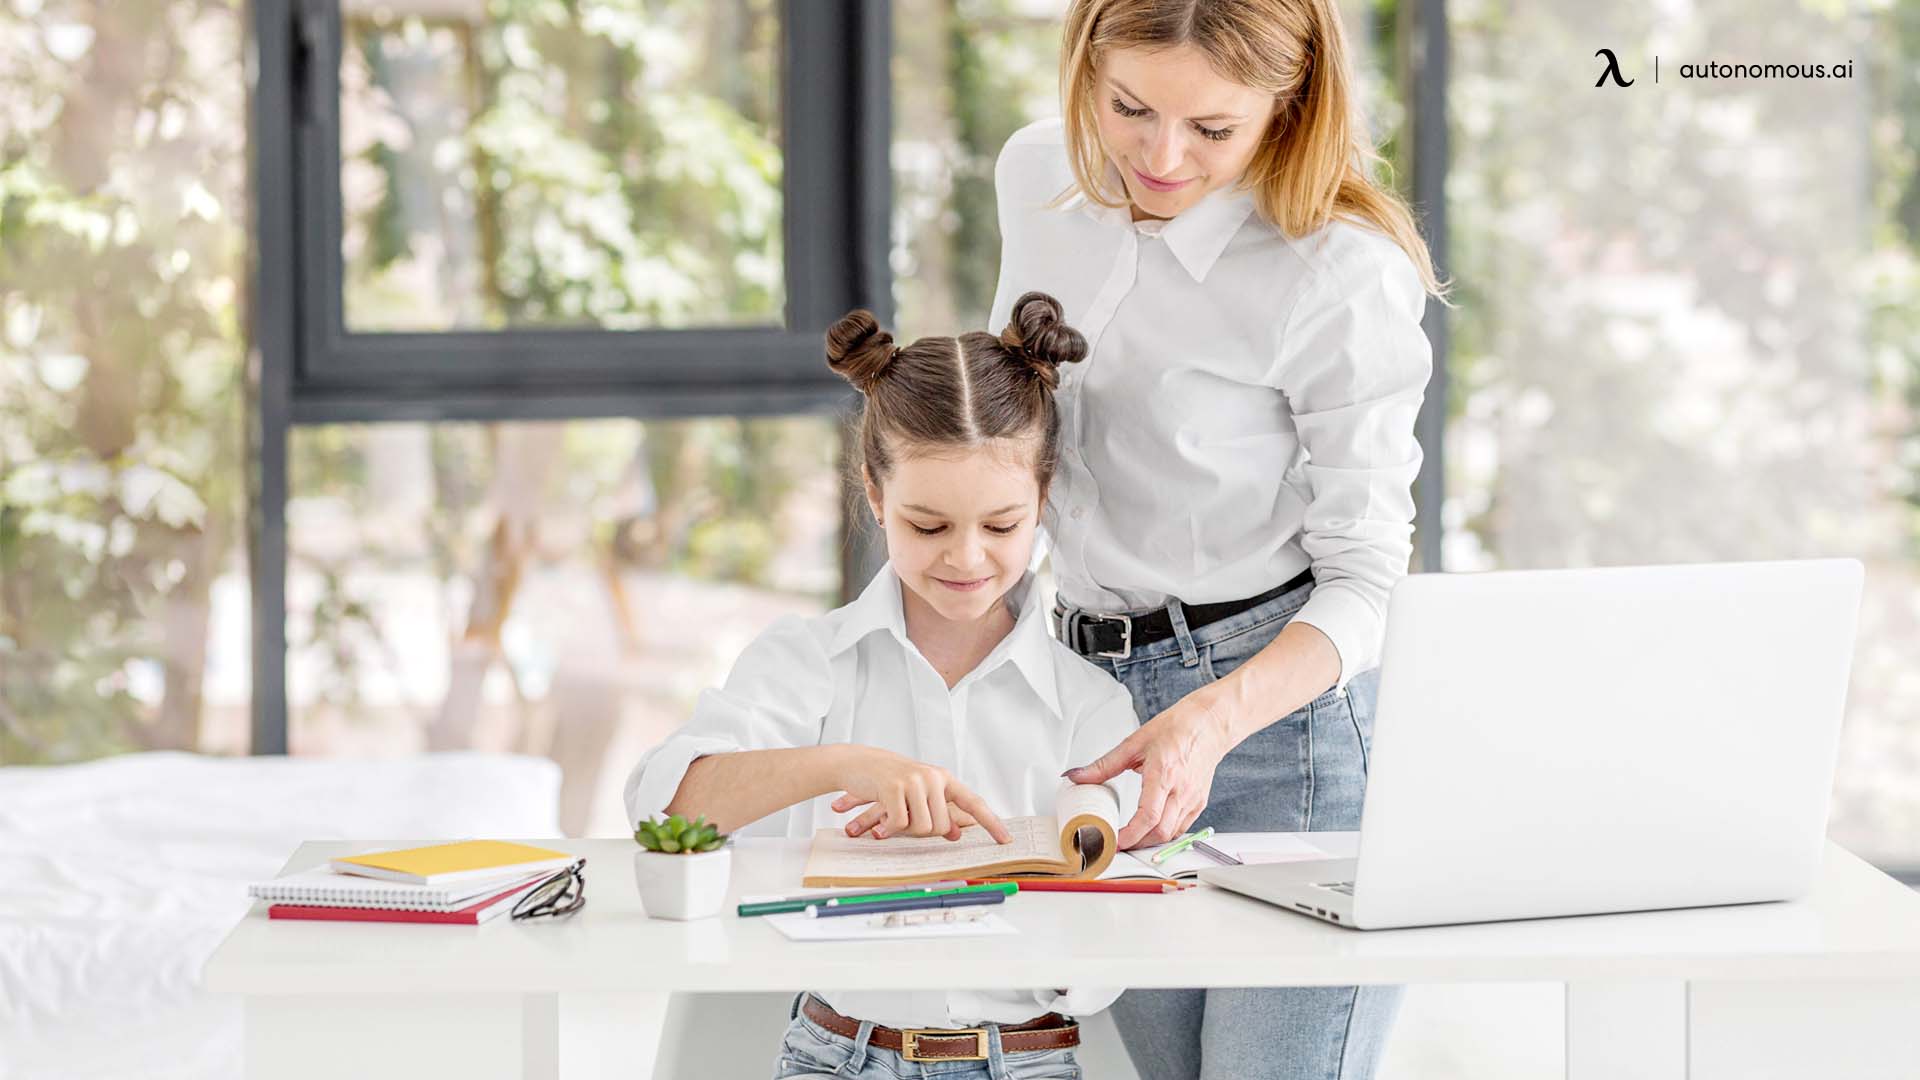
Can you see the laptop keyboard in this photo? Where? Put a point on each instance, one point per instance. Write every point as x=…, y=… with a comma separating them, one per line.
x=1337, y=886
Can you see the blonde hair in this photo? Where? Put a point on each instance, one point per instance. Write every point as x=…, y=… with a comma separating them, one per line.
x=1314, y=160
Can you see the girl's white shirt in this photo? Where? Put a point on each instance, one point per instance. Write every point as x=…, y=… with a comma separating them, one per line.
x=1247, y=409
x=1007, y=729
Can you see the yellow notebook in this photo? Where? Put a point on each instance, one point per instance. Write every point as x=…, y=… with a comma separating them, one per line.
x=468, y=860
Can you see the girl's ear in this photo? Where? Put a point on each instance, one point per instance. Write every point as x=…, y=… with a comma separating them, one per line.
x=873, y=495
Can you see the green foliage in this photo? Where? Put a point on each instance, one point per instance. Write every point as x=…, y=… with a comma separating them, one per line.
x=122, y=225
x=676, y=835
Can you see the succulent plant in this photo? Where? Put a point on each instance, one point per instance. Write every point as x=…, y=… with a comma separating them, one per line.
x=678, y=836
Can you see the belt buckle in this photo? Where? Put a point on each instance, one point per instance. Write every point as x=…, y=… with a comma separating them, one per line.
x=1126, y=635
x=910, y=1043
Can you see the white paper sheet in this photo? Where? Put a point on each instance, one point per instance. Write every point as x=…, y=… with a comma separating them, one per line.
x=1248, y=847
x=799, y=926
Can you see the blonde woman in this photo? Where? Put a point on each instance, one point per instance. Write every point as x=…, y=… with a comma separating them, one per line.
x=1233, y=499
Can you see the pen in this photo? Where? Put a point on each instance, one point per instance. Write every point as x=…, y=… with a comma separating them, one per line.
x=1181, y=844
x=948, y=900
x=801, y=903
x=1098, y=886
x=1216, y=854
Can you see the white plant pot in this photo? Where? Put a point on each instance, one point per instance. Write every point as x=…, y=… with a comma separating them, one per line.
x=683, y=886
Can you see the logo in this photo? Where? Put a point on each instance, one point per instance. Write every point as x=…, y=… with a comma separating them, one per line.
x=1613, y=69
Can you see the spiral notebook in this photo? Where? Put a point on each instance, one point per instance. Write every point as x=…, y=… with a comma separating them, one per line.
x=472, y=913
x=325, y=888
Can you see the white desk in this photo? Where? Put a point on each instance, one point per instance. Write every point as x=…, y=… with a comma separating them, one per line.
x=1827, y=987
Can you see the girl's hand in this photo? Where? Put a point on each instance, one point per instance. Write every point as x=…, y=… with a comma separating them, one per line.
x=1175, y=754
x=910, y=798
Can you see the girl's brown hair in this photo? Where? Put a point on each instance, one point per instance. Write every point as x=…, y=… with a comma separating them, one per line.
x=1314, y=162
x=958, y=392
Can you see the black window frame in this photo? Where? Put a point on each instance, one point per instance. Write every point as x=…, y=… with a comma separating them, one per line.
x=306, y=368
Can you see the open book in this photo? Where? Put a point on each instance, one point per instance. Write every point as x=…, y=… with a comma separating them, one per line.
x=1078, y=841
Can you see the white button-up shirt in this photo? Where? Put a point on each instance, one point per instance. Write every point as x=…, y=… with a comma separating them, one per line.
x=1246, y=411
x=1007, y=730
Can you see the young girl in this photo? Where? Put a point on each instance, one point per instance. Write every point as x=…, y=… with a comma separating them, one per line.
x=934, y=702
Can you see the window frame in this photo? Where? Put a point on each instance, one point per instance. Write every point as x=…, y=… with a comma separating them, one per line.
x=306, y=368
x=833, y=261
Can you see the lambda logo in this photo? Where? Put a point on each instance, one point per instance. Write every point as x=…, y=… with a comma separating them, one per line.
x=1612, y=69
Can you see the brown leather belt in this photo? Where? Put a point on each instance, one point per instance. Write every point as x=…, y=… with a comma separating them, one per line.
x=1049, y=1032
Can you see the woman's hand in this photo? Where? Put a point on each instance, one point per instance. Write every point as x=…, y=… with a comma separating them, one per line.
x=910, y=798
x=1175, y=754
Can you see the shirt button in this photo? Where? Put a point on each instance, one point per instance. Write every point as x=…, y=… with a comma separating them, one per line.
x=1079, y=512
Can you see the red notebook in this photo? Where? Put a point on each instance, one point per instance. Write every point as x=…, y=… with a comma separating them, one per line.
x=472, y=915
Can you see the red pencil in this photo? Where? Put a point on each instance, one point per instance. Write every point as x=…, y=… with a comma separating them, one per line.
x=1046, y=885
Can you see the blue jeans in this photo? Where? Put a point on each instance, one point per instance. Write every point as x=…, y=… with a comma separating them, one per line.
x=811, y=1052
x=1307, y=771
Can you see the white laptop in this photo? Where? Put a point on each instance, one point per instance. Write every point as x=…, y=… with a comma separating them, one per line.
x=1571, y=742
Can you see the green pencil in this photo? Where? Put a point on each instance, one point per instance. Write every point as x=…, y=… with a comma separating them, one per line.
x=801, y=903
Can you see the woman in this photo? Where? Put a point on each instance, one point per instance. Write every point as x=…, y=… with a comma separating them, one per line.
x=1233, y=501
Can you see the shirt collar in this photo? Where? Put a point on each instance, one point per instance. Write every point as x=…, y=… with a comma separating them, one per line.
x=1196, y=237
x=1026, y=646
x=1200, y=234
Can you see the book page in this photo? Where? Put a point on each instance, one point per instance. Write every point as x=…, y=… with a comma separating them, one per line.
x=1128, y=866
x=1089, y=816
x=835, y=854
x=1072, y=800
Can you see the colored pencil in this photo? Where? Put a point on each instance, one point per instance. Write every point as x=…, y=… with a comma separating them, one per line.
x=947, y=900
x=1043, y=885
x=801, y=903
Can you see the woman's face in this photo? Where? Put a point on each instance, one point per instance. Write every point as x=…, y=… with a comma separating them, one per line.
x=960, y=524
x=1173, y=127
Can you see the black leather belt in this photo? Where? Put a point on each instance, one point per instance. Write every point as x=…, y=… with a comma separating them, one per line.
x=1116, y=636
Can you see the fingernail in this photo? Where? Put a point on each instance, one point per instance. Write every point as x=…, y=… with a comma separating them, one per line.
x=1069, y=773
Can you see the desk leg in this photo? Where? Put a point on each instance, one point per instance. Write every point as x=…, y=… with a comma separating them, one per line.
x=471, y=1036
x=1627, y=1030
x=592, y=1036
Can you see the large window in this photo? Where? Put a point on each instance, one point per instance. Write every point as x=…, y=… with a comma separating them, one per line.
x=1690, y=322
x=491, y=222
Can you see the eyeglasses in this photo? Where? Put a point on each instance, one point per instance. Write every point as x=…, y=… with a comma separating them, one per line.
x=560, y=895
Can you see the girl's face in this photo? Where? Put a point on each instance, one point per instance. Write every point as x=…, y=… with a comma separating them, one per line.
x=1174, y=127
x=960, y=523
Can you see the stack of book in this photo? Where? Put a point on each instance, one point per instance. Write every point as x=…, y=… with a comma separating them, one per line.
x=464, y=883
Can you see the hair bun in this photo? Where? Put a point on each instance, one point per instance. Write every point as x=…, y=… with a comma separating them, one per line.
x=1038, y=333
x=859, y=350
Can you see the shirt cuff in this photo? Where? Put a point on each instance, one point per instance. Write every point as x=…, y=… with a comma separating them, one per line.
x=656, y=780
x=1349, y=621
